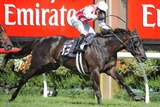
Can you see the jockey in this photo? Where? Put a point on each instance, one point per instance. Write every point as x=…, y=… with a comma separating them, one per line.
x=81, y=18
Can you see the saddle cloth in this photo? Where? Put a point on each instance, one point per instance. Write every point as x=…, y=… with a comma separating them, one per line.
x=68, y=48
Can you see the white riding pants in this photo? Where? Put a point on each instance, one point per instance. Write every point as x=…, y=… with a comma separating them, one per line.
x=83, y=28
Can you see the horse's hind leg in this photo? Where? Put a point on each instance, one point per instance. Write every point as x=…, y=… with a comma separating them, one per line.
x=27, y=76
x=21, y=82
x=96, y=84
x=114, y=73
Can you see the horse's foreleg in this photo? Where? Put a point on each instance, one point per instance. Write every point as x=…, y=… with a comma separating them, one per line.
x=114, y=73
x=6, y=59
x=96, y=84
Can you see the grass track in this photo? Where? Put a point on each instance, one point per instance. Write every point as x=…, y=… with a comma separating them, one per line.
x=39, y=101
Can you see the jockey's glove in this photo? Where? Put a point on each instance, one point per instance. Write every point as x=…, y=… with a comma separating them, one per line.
x=100, y=17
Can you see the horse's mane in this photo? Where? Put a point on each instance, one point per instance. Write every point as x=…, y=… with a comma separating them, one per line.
x=109, y=37
x=119, y=30
x=116, y=31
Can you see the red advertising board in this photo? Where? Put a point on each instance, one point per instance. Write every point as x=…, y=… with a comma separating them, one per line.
x=145, y=16
x=39, y=18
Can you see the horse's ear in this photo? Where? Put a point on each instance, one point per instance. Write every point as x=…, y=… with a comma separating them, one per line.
x=2, y=28
x=135, y=31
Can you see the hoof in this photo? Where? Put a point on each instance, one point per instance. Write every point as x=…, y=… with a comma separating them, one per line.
x=138, y=98
x=10, y=100
x=99, y=101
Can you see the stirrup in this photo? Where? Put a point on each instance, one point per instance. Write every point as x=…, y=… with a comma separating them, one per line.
x=80, y=50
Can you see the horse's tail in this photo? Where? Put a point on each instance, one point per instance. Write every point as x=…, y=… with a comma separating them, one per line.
x=26, y=50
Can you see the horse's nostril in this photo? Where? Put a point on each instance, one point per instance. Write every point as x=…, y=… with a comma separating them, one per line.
x=144, y=58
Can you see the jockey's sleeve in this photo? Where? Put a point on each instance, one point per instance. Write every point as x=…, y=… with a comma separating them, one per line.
x=89, y=13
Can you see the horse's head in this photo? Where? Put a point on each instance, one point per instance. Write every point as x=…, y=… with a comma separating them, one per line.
x=135, y=46
x=4, y=40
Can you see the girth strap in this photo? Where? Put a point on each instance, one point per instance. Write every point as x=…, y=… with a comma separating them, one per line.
x=79, y=63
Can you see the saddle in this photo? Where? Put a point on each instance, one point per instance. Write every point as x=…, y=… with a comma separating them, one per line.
x=69, y=46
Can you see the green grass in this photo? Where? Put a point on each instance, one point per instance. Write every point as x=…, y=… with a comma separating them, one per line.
x=40, y=101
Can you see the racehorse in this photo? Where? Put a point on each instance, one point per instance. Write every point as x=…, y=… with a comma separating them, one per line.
x=4, y=40
x=99, y=57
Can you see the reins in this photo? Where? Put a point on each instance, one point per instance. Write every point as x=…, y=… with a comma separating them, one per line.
x=112, y=32
x=116, y=17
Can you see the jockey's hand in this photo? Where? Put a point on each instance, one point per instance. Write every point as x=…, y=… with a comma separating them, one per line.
x=101, y=16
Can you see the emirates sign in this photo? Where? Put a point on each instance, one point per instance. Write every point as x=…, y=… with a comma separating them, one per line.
x=145, y=16
x=39, y=18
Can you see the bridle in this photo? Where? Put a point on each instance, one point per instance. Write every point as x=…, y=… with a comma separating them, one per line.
x=131, y=44
x=130, y=40
x=131, y=47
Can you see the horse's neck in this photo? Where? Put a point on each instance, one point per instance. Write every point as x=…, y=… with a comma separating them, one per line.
x=122, y=44
x=117, y=44
x=112, y=43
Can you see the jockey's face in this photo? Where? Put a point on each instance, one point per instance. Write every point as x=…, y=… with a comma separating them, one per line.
x=97, y=11
x=100, y=13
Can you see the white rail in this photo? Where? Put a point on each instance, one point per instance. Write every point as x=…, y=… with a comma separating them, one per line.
x=128, y=55
x=149, y=55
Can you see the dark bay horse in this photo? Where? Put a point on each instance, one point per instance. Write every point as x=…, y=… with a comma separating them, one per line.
x=4, y=40
x=99, y=57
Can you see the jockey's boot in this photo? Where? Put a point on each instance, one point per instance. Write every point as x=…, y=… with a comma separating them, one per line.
x=77, y=47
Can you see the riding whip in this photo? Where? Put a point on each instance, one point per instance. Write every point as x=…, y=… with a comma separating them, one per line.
x=116, y=17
